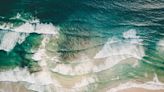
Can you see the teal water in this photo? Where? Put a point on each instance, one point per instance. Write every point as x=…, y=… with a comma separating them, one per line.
x=85, y=27
x=97, y=19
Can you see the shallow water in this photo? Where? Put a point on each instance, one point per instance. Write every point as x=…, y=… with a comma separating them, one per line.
x=81, y=46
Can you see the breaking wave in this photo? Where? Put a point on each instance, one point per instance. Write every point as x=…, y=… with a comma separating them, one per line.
x=150, y=85
x=114, y=51
x=11, y=35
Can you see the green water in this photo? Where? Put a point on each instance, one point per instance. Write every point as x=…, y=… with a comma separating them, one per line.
x=86, y=26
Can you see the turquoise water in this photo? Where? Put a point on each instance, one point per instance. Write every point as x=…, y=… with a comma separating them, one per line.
x=91, y=19
x=85, y=28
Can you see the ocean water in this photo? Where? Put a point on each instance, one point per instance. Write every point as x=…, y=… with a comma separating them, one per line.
x=81, y=45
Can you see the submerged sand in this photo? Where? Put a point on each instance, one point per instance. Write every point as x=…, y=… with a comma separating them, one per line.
x=139, y=90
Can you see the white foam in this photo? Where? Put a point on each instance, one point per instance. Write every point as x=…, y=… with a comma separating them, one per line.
x=34, y=81
x=161, y=42
x=84, y=82
x=160, y=45
x=120, y=48
x=88, y=67
x=151, y=85
x=23, y=75
x=39, y=28
x=44, y=75
x=39, y=55
x=83, y=66
x=10, y=39
x=110, y=62
x=16, y=75
x=114, y=51
x=19, y=34
x=37, y=80
x=6, y=26
x=132, y=33
x=22, y=38
x=103, y=53
x=80, y=69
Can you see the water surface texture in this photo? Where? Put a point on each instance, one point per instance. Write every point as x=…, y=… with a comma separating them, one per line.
x=82, y=45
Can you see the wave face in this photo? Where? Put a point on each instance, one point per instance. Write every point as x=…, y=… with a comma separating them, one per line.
x=81, y=46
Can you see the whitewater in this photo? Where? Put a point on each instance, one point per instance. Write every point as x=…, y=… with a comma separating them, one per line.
x=19, y=34
x=81, y=46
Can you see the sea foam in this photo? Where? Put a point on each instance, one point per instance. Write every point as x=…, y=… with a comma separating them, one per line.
x=14, y=35
x=150, y=85
x=9, y=40
x=160, y=45
x=36, y=81
x=114, y=51
x=39, y=28
x=121, y=49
